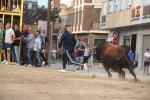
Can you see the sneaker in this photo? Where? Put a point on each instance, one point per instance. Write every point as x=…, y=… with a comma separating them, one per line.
x=29, y=65
x=86, y=67
x=4, y=61
x=43, y=63
x=62, y=71
x=17, y=64
x=47, y=65
x=25, y=64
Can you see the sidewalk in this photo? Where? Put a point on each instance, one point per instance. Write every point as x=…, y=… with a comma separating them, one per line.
x=97, y=70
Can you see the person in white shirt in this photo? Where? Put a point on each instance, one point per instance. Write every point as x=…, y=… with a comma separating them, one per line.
x=86, y=54
x=146, y=61
x=9, y=39
x=54, y=55
x=36, y=49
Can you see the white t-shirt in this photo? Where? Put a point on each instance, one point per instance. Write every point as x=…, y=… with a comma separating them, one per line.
x=146, y=54
x=54, y=52
x=86, y=52
x=37, y=44
x=8, y=35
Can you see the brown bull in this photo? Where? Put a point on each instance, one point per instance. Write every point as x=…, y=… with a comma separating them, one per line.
x=115, y=57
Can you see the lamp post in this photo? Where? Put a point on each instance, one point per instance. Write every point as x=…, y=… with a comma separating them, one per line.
x=49, y=29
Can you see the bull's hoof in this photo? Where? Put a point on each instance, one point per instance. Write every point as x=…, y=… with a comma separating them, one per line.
x=137, y=80
x=109, y=75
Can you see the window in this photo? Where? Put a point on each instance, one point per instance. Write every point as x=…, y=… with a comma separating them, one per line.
x=116, y=5
x=104, y=8
x=122, y=4
x=128, y=3
x=126, y=40
x=99, y=41
x=110, y=6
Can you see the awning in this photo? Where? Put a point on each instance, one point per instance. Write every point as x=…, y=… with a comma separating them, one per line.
x=110, y=39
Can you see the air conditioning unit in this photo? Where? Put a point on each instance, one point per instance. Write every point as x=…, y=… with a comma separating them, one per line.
x=147, y=16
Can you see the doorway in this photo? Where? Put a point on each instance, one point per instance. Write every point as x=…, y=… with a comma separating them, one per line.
x=133, y=43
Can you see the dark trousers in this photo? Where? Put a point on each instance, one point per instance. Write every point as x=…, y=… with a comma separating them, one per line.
x=68, y=56
x=42, y=56
x=85, y=59
x=37, y=58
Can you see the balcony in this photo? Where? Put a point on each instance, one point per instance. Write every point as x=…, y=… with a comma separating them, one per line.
x=95, y=25
x=57, y=25
x=97, y=1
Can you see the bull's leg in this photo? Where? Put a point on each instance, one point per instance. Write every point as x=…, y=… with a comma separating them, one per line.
x=109, y=74
x=133, y=73
x=123, y=74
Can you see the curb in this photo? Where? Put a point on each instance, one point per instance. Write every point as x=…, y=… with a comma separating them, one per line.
x=56, y=68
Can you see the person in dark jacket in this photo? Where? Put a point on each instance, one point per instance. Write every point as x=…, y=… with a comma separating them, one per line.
x=69, y=43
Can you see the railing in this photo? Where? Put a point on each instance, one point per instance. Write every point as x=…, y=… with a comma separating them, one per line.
x=97, y=1
x=11, y=5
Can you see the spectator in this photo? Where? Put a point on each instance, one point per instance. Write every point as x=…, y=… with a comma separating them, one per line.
x=131, y=55
x=9, y=39
x=75, y=54
x=29, y=44
x=36, y=49
x=54, y=55
x=1, y=35
x=80, y=53
x=24, y=49
x=86, y=54
x=42, y=38
x=146, y=61
x=15, y=48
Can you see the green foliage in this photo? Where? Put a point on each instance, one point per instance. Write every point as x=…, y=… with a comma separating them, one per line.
x=33, y=13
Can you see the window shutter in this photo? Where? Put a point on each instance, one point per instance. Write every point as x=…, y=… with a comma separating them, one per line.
x=133, y=12
x=145, y=10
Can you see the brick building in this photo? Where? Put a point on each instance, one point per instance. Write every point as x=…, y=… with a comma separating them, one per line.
x=131, y=19
x=86, y=21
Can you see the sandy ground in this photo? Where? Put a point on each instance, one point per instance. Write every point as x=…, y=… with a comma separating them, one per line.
x=22, y=83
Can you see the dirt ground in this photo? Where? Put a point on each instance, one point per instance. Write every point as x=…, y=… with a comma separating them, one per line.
x=22, y=83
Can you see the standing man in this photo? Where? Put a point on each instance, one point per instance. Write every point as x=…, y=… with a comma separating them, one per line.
x=36, y=49
x=24, y=49
x=15, y=48
x=68, y=43
x=131, y=55
x=1, y=35
x=42, y=38
x=9, y=39
x=80, y=54
x=146, y=61
x=29, y=45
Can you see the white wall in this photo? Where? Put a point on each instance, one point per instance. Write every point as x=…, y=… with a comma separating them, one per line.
x=144, y=30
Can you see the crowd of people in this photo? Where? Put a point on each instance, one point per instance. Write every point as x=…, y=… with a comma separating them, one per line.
x=33, y=45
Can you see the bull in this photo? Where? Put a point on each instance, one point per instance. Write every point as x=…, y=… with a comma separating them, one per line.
x=115, y=57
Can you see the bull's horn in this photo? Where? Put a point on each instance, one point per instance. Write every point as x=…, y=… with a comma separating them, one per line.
x=93, y=48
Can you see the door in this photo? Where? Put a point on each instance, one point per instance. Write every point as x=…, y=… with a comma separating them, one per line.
x=133, y=44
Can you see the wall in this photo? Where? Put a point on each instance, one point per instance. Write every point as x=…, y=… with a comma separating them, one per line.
x=140, y=31
x=34, y=28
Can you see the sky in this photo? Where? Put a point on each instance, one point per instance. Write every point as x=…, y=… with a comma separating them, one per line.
x=45, y=2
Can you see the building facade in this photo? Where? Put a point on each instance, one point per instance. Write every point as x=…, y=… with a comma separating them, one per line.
x=130, y=19
x=86, y=22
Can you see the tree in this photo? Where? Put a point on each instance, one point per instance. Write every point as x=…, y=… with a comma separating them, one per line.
x=33, y=13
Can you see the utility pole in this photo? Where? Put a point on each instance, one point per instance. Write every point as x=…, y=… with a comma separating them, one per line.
x=48, y=30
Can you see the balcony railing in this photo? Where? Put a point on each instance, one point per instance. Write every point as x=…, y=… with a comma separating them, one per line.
x=97, y=1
